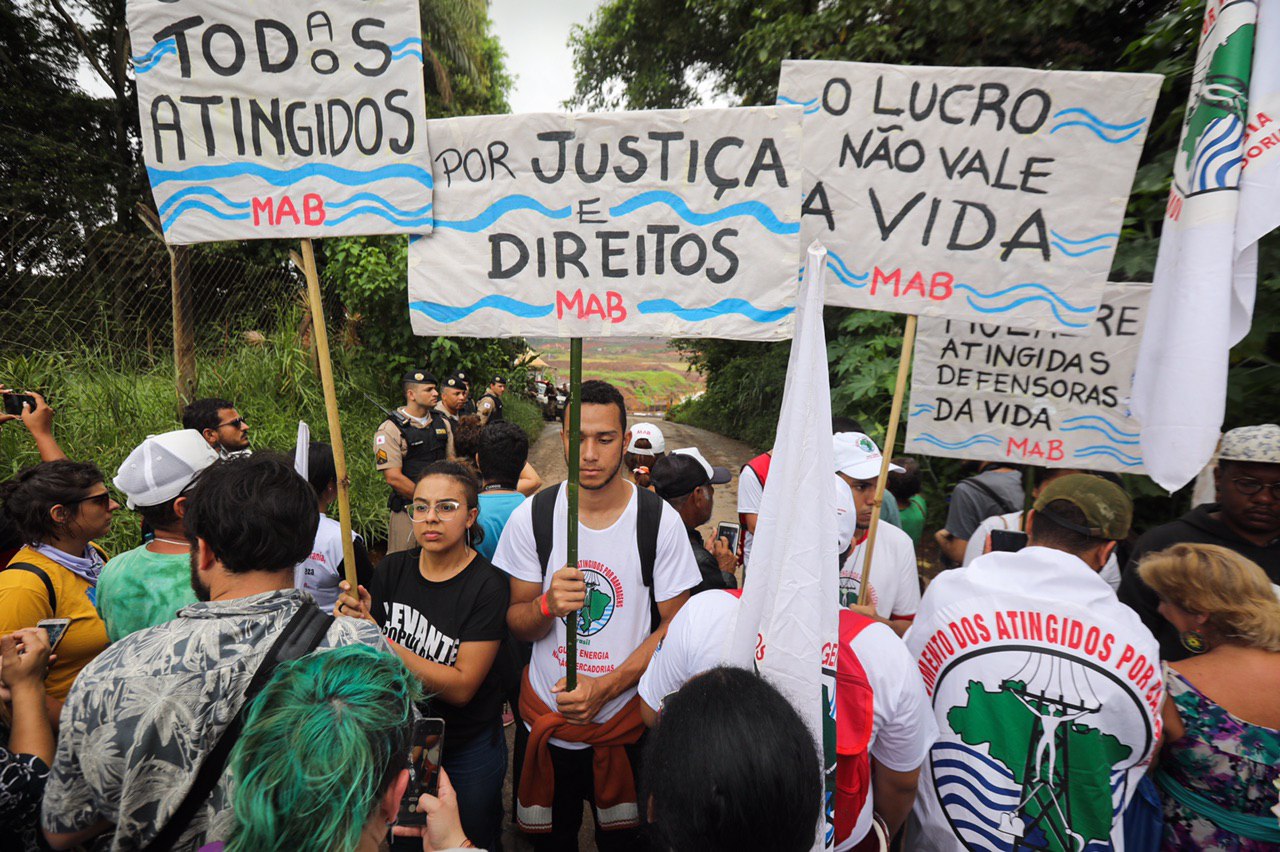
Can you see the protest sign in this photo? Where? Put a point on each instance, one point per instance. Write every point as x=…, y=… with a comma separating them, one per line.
x=1031, y=397
x=671, y=223
x=987, y=194
x=274, y=119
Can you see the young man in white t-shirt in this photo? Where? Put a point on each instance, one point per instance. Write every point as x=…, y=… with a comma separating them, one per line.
x=895, y=580
x=616, y=636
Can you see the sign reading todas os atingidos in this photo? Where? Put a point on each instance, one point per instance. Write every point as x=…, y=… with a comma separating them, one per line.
x=989, y=194
x=274, y=119
x=675, y=223
x=1031, y=397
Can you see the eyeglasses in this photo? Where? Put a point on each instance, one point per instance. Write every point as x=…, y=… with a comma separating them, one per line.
x=444, y=509
x=239, y=421
x=1249, y=487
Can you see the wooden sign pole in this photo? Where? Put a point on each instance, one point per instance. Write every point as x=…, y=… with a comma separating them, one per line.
x=307, y=263
x=890, y=439
x=573, y=422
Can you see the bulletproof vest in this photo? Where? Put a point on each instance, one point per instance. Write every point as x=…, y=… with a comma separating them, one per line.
x=496, y=415
x=423, y=445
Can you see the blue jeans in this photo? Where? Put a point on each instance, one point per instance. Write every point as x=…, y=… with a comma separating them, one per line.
x=476, y=770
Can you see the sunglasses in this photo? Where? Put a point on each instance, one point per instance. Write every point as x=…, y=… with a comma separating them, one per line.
x=103, y=500
x=238, y=422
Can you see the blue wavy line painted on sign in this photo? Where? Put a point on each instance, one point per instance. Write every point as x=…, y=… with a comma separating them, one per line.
x=1104, y=421
x=381, y=202
x=754, y=209
x=1071, y=253
x=404, y=222
x=500, y=208
x=1110, y=235
x=453, y=313
x=416, y=54
x=144, y=63
x=719, y=309
x=288, y=177
x=1052, y=294
x=1101, y=430
x=810, y=106
x=923, y=408
x=1051, y=298
x=200, y=190
x=1104, y=450
x=195, y=204
x=1095, y=120
x=411, y=41
x=958, y=445
x=1019, y=302
x=847, y=276
x=411, y=46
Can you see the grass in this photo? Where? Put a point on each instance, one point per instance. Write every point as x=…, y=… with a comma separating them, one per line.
x=105, y=408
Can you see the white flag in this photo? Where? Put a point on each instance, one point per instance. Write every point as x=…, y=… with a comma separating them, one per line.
x=788, y=621
x=1225, y=177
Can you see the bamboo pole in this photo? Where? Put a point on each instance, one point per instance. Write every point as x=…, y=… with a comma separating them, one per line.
x=573, y=422
x=890, y=439
x=320, y=333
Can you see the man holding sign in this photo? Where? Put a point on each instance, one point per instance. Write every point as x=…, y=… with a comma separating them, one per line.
x=635, y=569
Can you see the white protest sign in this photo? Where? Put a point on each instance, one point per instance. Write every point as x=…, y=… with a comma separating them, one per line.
x=671, y=223
x=1031, y=397
x=273, y=119
x=988, y=194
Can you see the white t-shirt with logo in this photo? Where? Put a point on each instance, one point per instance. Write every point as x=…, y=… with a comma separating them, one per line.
x=615, y=619
x=903, y=728
x=318, y=573
x=895, y=578
x=1013, y=521
x=1047, y=692
x=697, y=641
x=750, y=493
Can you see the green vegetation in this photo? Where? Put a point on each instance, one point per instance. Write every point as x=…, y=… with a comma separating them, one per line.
x=104, y=410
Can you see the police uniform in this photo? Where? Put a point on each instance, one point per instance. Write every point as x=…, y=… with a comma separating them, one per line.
x=489, y=406
x=409, y=443
x=457, y=380
x=468, y=407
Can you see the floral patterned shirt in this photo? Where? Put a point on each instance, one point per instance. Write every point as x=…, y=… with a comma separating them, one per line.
x=143, y=714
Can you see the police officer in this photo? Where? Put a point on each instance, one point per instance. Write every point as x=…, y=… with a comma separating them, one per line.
x=411, y=438
x=489, y=406
x=468, y=403
x=453, y=397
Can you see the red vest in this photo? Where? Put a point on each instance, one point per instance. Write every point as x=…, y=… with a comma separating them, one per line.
x=760, y=466
x=855, y=719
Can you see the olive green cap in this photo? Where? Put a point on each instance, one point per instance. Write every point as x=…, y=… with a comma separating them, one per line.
x=1108, y=511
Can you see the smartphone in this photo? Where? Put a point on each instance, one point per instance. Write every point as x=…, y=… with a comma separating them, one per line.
x=424, y=769
x=1008, y=541
x=55, y=627
x=731, y=531
x=13, y=402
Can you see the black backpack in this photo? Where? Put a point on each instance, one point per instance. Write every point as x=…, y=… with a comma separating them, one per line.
x=648, y=520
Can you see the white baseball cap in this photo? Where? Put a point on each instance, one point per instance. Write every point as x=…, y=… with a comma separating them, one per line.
x=846, y=516
x=857, y=456
x=651, y=433
x=162, y=466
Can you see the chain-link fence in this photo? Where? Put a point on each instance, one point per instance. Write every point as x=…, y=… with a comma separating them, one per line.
x=64, y=289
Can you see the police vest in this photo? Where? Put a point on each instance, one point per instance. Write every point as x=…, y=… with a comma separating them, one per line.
x=495, y=416
x=423, y=445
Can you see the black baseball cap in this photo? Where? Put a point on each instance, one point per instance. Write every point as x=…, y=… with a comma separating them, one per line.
x=418, y=377
x=677, y=474
x=499, y=380
x=457, y=380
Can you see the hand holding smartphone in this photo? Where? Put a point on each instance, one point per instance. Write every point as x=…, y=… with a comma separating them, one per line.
x=425, y=754
x=731, y=531
x=56, y=628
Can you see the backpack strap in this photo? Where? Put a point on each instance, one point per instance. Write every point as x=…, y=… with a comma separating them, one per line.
x=299, y=637
x=1005, y=508
x=544, y=521
x=648, y=522
x=44, y=577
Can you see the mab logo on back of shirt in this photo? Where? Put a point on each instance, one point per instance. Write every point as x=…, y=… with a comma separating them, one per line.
x=410, y=628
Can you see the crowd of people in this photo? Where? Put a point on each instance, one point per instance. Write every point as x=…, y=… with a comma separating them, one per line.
x=1058, y=682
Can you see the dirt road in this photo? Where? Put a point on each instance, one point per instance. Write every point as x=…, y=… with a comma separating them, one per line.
x=547, y=457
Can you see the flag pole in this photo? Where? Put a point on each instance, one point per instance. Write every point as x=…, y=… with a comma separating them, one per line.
x=890, y=439
x=307, y=263
x=573, y=422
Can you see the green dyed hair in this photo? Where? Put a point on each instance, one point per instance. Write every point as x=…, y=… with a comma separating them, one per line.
x=321, y=744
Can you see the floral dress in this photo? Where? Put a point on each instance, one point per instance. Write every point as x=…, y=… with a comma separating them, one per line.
x=22, y=778
x=1225, y=759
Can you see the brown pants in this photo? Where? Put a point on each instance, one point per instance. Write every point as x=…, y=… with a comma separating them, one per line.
x=399, y=532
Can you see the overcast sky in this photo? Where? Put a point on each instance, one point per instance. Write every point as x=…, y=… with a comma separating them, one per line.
x=535, y=34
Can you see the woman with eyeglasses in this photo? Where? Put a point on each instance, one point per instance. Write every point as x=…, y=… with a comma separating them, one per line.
x=443, y=608
x=59, y=507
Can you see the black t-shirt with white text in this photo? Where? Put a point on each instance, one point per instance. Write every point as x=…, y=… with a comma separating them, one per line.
x=433, y=620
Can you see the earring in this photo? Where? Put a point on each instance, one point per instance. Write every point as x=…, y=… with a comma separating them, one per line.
x=1193, y=641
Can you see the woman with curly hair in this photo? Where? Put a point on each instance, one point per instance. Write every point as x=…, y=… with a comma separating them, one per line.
x=1221, y=755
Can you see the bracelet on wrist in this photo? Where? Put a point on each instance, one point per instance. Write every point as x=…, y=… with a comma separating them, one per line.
x=544, y=607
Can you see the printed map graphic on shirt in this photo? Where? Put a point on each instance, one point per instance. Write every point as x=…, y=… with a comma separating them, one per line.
x=602, y=593
x=1033, y=764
